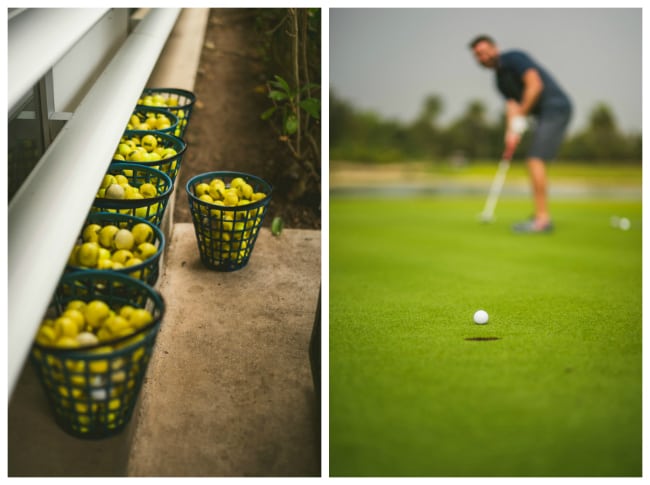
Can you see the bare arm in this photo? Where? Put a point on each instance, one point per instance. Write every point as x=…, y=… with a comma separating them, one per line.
x=533, y=86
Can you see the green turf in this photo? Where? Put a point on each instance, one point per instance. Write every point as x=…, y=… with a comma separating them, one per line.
x=559, y=394
x=595, y=174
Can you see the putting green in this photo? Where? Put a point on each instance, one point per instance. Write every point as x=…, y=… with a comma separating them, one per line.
x=555, y=390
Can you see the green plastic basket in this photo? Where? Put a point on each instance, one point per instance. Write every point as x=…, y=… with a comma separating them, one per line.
x=170, y=165
x=143, y=112
x=148, y=270
x=152, y=209
x=226, y=235
x=92, y=391
x=184, y=104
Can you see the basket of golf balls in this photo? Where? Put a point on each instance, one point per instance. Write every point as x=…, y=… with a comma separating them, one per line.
x=149, y=118
x=118, y=242
x=134, y=189
x=179, y=101
x=92, y=349
x=153, y=149
x=227, y=210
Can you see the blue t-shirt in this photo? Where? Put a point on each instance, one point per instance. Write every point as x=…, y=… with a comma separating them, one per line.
x=511, y=68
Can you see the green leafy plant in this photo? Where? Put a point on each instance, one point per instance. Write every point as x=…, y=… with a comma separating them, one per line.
x=293, y=53
x=288, y=101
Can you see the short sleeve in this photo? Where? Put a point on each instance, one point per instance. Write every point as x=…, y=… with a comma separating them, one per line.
x=517, y=62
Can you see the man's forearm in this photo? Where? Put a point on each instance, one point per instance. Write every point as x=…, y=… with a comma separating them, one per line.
x=533, y=86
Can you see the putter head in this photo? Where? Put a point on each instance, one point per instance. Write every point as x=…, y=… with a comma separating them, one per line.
x=486, y=218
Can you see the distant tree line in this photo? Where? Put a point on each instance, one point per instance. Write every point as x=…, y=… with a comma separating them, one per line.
x=357, y=135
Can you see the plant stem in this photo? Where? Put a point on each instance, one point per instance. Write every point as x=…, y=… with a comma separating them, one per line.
x=296, y=72
x=305, y=63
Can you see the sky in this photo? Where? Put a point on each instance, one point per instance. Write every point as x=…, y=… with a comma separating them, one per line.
x=388, y=60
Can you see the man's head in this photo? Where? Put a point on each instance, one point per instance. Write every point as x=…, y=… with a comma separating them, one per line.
x=485, y=51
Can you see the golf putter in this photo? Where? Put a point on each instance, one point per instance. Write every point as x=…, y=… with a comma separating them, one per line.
x=495, y=190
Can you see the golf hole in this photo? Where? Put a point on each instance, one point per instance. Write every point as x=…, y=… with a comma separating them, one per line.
x=481, y=339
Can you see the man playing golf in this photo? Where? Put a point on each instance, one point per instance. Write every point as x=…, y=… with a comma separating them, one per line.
x=529, y=91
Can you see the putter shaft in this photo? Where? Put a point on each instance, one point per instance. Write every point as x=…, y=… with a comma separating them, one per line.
x=495, y=189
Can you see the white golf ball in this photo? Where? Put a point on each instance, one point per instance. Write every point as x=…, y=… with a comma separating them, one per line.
x=98, y=394
x=481, y=317
x=624, y=223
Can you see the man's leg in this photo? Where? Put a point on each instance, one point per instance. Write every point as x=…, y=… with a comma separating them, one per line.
x=537, y=171
x=545, y=144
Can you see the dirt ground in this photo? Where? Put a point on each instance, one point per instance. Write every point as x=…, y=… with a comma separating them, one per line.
x=225, y=131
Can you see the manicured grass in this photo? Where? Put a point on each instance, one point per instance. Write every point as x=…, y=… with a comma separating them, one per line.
x=560, y=173
x=611, y=173
x=558, y=394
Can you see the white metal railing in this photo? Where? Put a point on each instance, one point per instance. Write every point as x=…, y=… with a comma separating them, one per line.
x=46, y=214
x=38, y=38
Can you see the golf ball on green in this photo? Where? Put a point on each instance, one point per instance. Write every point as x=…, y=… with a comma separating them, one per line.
x=624, y=223
x=481, y=317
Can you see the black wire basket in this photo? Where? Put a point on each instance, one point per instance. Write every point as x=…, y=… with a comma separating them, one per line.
x=92, y=390
x=148, y=270
x=179, y=101
x=152, y=208
x=170, y=164
x=226, y=235
x=143, y=113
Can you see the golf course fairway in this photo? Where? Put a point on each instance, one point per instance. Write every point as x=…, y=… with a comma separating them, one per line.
x=550, y=386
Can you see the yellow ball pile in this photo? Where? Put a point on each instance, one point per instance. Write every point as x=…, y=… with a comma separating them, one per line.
x=237, y=193
x=84, y=324
x=118, y=187
x=149, y=121
x=148, y=148
x=160, y=101
x=111, y=247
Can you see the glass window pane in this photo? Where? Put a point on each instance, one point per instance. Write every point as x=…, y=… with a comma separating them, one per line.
x=25, y=143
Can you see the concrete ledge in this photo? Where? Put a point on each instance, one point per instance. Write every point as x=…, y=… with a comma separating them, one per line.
x=229, y=390
x=37, y=447
x=179, y=60
x=176, y=68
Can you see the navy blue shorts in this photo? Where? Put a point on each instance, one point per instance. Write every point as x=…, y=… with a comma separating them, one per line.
x=549, y=131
